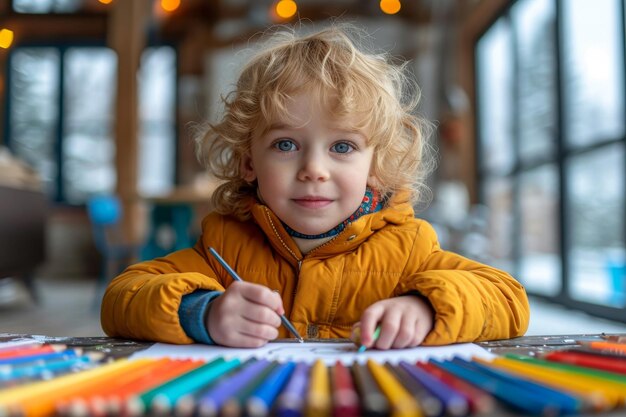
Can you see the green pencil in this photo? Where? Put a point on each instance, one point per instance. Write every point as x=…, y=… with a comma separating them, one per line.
x=163, y=398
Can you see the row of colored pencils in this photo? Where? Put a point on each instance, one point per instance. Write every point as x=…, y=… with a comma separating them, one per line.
x=588, y=378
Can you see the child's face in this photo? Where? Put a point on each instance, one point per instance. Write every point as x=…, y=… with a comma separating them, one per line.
x=312, y=171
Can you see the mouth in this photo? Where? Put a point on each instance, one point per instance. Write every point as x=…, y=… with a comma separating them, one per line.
x=312, y=201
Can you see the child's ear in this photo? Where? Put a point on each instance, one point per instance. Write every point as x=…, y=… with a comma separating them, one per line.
x=247, y=169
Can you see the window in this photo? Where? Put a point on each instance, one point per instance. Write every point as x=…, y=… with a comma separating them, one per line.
x=61, y=118
x=552, y=149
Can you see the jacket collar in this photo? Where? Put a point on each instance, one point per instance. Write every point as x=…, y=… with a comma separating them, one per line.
x=397, y=210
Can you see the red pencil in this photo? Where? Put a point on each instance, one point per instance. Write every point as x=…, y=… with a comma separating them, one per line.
x=480, y=402
x=345, y=397
x=21, y=351
x=588, y=360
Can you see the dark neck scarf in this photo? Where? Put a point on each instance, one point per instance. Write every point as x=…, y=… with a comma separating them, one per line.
x=371, y=204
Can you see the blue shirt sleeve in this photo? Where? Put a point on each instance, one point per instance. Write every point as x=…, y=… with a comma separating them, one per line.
x=192, y=314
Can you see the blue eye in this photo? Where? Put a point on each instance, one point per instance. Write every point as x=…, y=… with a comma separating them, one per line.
x=342, y=147
x=285, y=145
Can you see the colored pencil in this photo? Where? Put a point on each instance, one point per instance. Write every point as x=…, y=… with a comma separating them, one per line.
x=374, y=403
x=127, y=399
x=260, y=402
x=430, y=405
x=375, y=337
x=209, y=402
x=575, y=369
x=30, y=350
x=47, y=370
x=235, y=405
x=19, y=343
x=510, y=394
x=344, y=395
x=40, y=357
x=599, y=396
x=236, y=277
x=453, y=403
x=318, y=401
x=96, y=402
x=615, y=354
x=290, y=402
x=590, y=361
x=479, y=401
x=163, y=398
x=605, y=345
x=40, y=398
x=401, y=401
x=564, y=402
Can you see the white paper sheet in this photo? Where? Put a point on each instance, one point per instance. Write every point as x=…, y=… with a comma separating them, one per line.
x=329, y=352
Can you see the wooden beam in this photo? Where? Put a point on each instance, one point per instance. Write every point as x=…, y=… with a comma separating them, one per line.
x=30, y=28
x=127, y=36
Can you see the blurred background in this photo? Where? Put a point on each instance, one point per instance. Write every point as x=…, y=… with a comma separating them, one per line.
x=99, y=101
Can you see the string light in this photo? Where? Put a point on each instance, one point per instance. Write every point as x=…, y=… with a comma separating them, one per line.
x=6, y=38
x=286, y=8
x=170, y=5
x=390, y=6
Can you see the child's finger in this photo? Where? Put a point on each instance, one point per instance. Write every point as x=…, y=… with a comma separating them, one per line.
x=369, y=320
x=260, y=294
x=406, y=332
x=258, y=331
x=260, y=314
x=389, y=327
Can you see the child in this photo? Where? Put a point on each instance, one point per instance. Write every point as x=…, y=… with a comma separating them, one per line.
x=321, y=161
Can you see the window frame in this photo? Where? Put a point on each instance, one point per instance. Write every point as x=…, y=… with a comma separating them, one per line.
x=562, y=155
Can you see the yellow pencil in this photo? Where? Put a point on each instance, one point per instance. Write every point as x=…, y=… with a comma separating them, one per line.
x=601, y=396
x=39, y=399
x=318, y=398
x=402, y=402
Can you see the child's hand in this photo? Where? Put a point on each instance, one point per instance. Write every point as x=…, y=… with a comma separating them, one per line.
x=246, y=315
x=405, y=321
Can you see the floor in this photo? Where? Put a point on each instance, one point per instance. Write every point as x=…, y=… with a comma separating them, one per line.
x=68, y=308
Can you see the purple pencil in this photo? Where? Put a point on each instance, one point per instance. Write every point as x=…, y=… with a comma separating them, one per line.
x=290, y=403
x=210, y=402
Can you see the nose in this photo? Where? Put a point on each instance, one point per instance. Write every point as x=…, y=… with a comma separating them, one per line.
x=313, y=168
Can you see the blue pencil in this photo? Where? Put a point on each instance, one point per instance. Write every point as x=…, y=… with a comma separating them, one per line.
x=236, y=277
x=454, y=403
x=260, y=403
x=42, y=369
x=210, y=402
x=290, y=402
x=66, y=354
x=569, y=403
x=508, y=393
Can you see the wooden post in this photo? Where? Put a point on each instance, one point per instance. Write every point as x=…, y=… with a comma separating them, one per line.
x=127, y=36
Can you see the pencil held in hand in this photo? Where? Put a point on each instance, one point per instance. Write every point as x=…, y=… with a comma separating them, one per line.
x=356, y=338
x=236, y=277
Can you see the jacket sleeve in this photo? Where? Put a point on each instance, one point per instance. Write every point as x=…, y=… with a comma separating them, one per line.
x=472, y=301
x=143, y=302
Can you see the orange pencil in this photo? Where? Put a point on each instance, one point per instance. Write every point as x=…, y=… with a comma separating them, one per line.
x=97, y=401
x=121, y=400
x=610, y=346
x=39, y=399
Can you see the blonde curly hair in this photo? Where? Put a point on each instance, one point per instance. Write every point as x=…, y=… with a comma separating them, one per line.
x=328, y=64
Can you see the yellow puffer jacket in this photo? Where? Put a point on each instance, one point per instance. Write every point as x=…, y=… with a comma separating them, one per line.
x=381, y=255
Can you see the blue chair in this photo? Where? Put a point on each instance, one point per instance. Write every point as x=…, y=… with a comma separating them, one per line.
x=105, y=215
